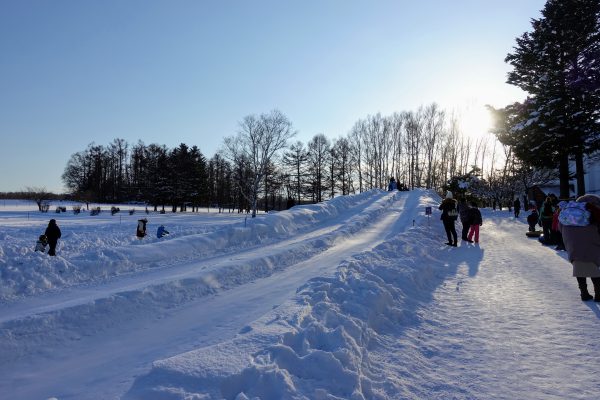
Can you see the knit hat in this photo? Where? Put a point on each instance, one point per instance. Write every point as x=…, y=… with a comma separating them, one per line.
x=448, y=194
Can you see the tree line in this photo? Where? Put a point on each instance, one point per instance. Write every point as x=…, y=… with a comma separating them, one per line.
x=263, y=167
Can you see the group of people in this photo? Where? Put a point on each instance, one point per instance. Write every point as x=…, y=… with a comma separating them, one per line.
x=49, y=238
x=53, y=233
x=470, y=218
x=393, y=185
x=580, y=239
x=141, y=229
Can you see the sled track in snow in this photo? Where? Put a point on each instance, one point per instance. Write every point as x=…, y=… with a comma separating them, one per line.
x=68, y=314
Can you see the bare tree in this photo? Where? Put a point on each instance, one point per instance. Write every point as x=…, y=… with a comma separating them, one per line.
x=257, y=142
x=38, y=194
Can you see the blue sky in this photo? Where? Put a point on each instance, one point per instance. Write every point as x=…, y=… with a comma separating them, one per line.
x=75, y=72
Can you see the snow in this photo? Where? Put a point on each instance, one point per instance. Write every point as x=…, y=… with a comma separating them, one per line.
x=353, y=298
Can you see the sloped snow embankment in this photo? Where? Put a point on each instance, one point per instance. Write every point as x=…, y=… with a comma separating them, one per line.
x=24, y=272
x=318, y=345
x=25, y=332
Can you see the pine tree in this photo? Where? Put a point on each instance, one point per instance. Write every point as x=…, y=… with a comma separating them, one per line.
x=557, y=64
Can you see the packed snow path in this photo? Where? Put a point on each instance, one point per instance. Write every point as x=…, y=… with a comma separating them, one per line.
x=506, y=323
x=97, y=338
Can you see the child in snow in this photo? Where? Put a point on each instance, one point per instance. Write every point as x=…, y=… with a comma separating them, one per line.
x=161, y=231
x=476, y=221
x=532, y=219
x=41, y=243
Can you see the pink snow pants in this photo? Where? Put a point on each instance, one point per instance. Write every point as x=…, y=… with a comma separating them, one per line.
x=474, y=230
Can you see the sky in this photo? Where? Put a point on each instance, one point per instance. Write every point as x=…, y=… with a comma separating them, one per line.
x=170, y=72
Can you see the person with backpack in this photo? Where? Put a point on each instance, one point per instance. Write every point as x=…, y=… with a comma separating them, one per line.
x=449, y=217
x=582, y=243
x=52, y=234
x=546, y=216
x=476, y=221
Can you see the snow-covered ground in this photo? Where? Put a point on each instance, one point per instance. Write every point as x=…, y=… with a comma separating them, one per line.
x=354, y=298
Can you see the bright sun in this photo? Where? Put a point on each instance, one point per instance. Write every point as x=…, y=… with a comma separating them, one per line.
x=475, y=120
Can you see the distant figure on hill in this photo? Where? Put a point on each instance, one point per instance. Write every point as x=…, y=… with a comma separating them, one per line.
x=141, y=228
x=53, y=234
x=392, y=186
x=517, y=207
x=449, y=216
x=583, y=247
x=161, y=231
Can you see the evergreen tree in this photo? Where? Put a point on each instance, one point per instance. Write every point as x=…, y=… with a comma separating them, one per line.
x=557, y=64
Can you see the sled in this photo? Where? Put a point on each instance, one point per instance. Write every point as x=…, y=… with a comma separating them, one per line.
x=533, y=234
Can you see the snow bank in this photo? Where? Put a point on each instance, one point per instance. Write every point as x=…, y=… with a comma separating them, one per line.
x=324, y=343
x=95, y=248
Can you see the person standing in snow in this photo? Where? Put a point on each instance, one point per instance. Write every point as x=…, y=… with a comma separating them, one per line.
x=546, y=215
x=449, y=216
x=517, y=207
x=583, y=248
x=52, y=234
x=392, y=186
x=476, y=221
x=141, y=228
x=533, y=219
x=463, y=212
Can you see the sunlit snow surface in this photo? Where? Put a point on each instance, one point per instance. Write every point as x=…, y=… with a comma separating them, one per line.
x=354, y=298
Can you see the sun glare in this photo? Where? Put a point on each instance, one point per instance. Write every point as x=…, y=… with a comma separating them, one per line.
x=475, y=121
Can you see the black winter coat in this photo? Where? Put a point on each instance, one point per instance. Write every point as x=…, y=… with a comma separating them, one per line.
x=446, y=206
x=52, y=232
x=474, y=216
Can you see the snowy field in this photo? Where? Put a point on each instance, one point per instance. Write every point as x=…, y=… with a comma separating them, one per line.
x=354, y=298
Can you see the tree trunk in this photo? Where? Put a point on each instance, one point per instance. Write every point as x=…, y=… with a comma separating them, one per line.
x=580, y=172
x=563, y=174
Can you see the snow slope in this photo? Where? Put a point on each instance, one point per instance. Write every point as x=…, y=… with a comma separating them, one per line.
x=341, y=300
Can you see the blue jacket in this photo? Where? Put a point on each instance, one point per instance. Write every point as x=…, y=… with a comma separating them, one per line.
x=161, y=232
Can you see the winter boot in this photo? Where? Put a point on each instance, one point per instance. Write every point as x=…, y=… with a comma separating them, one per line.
x=585, y=295
x=596, y=282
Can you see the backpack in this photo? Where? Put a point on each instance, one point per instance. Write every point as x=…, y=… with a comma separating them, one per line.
x=453, y=213
x=573, y=214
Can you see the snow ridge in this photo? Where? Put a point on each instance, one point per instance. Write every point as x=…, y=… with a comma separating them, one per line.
x=24, y=272
x=326, y=346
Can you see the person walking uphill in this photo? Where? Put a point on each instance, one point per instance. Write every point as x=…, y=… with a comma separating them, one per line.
x=449, y=216
x=52, y=234
x=463, y=212
x=517, y=207
x=583, y=248
x=476, y=222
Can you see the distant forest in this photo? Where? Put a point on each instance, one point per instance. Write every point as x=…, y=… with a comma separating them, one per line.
x=423, y=148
